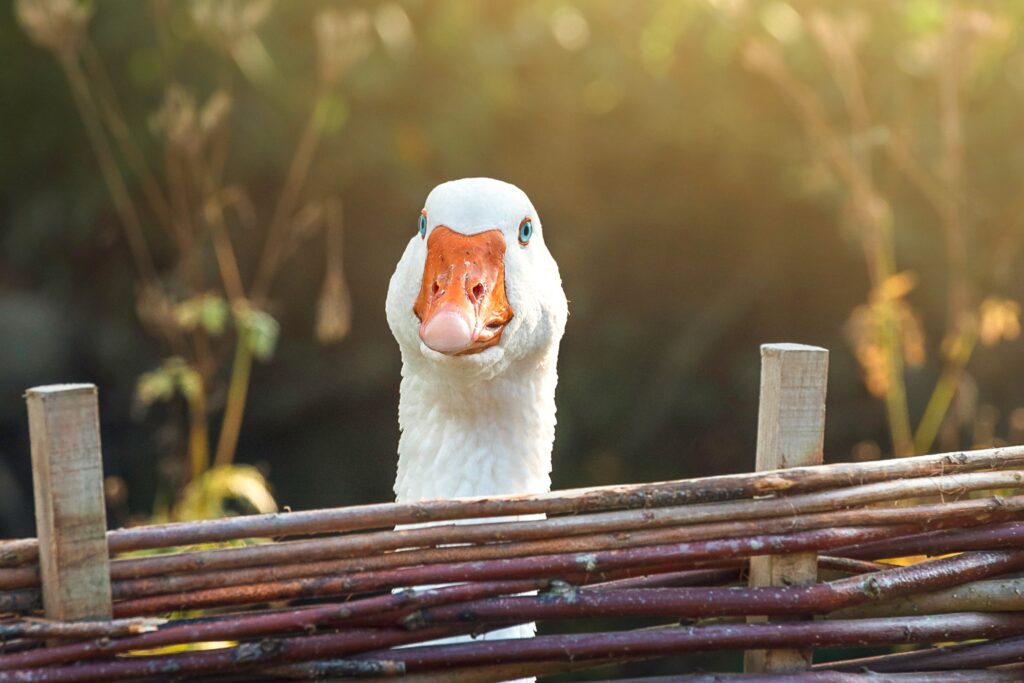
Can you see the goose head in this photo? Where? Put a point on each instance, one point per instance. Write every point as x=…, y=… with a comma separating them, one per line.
x=476, y=290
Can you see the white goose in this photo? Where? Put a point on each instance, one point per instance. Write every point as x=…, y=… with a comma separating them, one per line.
x=478, y=310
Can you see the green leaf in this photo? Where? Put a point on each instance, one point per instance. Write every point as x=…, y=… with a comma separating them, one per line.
x=208, y=311
x=190, y=383
x=213, y=315
x=160, y=384
x=331, y=113
x=154, y=386
x=258, y=330
x=925, y=16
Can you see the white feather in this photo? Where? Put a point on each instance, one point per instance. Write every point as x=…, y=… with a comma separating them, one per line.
x=480, y=424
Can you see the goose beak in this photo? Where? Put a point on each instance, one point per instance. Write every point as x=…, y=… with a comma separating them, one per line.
x=462, y=305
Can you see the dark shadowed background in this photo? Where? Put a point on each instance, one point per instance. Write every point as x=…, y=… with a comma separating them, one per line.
x=711, y=176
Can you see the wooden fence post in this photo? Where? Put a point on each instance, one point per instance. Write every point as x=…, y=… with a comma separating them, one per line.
x=71, y=520
x=790, y=433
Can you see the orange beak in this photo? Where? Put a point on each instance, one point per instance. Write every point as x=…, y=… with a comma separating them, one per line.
x=462, y=305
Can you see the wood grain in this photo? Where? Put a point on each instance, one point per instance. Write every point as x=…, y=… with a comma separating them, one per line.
x=790, y=433
x=67, y=476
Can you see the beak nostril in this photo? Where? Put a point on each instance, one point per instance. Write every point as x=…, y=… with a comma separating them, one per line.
x=462, y=305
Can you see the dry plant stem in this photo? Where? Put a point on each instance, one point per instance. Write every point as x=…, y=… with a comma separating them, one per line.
x=724, y=602
x=992, y=537
x=252, y=625
x=946, y=193
x=227, y=264
x=967, y=655
x=841, y=59
x=163, y=584
x=952, y=169
x=108, y=167
x=116, y=123
x=652, y=495
x=876, y=216
x=717, y=637
x=896, y=391
x=945, y=389
x=198, y=439
x=904, y=159
x=998, y=595
x=234, y=409
x=184, y=231
x=954, y=220
x=870, y=207
x=560, y=527
x=567, y=566
x=277, y=233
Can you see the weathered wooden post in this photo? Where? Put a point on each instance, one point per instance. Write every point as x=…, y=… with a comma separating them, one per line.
x=790, y=433
x=71, y=520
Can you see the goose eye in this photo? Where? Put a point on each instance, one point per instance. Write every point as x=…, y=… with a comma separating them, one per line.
x=423, y=225
x=525, y=231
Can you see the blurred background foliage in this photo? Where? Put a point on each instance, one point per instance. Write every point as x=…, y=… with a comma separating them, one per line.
x=202, y=203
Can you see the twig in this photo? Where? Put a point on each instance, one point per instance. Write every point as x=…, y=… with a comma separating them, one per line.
x=982, y=676
x=234, y=659
x=1005, y=535
x=335, y=668
x=999, y=595
x=252, y=625
x=968, y=655
x=701, y=638
x=41, y=628
x=687, y=577
x=494, y=672
x=724, y=602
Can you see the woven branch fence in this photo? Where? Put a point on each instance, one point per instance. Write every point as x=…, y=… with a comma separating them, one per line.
x=795, y=558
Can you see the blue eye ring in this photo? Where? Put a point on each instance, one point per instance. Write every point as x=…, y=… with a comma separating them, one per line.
x=423, y=223
x=525, y=232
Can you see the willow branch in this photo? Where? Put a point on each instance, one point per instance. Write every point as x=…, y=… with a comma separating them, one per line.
x=718, y=637
x=21, y=552
x=1000, y=595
